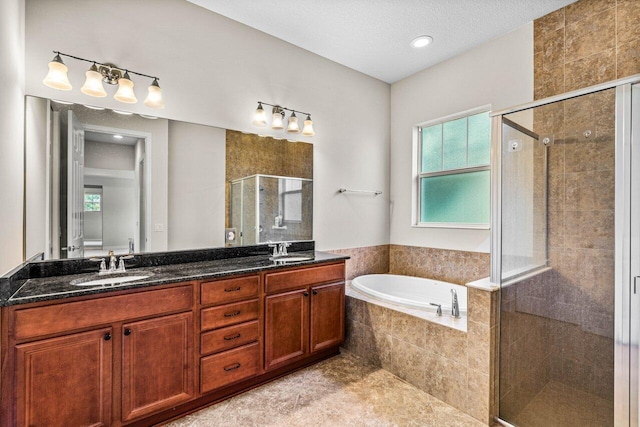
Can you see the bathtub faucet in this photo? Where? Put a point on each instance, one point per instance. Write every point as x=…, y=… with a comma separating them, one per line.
x=455, y=308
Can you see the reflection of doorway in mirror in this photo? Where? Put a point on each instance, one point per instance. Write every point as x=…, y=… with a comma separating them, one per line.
x=85, y=157
x=112, y=163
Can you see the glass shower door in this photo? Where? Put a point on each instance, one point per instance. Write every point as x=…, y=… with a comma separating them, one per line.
x=557, y=260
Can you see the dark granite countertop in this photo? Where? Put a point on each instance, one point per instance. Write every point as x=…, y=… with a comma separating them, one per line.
x=59, y=287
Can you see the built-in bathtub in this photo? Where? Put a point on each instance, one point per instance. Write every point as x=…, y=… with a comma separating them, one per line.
x=390, y=323
x=412, y=292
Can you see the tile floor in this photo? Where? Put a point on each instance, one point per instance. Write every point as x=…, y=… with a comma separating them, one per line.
x=558, y=405
x=341, y=391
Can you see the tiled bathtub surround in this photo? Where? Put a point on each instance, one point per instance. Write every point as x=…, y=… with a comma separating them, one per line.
x=457, y=267
x=366, y=260
x=450, y=364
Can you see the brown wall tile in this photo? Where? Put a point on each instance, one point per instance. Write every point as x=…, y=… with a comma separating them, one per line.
x=629, y=58
x=439, y=264
x=628, y=22
x=591, y=70
x=366, y=260
x=591, y=35
x=585, y=8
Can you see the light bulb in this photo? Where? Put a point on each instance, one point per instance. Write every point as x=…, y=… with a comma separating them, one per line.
x=125, y=90
x=260, y=117
x=293, y=127
x=307, y=130
x=276, y=121
x=93, y=84
x=154, y=98
x=57, y=76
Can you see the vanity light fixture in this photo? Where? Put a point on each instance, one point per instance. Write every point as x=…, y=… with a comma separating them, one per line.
x=98, y=74
x=421, y=41
x=278, y=114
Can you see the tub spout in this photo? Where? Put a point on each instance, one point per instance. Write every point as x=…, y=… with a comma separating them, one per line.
x=455, y=308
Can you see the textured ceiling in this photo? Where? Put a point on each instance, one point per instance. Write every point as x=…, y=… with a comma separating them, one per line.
x=373, y=36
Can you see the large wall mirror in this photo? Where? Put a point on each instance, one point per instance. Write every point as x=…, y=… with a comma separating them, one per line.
x=99, y=180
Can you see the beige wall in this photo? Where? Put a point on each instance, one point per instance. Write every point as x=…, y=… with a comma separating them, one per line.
x=213, y=71
x=498, y=73
x=11, y=125
x=196, y=186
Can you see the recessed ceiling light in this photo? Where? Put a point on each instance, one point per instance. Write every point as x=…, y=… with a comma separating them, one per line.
x=62, y=102
x=91, y=107
x=421, y=41
x=144, y=116
x=124, y=113
x=118, y=136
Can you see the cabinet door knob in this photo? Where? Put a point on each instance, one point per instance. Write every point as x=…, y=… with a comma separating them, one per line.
x=107, y=336
x=306, y=294
x=315, y=292
x=127, y=332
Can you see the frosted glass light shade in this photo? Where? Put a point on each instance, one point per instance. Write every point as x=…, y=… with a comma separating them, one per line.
x=125, y=90
x=57, y=76
x=154, y=97
x=293, y=127
x=307, y=130
x=93, y=84
x=276, y=121
x=260, y=117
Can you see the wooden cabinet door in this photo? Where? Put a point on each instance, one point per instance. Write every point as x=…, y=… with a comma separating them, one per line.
x=286, y=327
x=327, y=316
x=65, y=381
x=157, y=364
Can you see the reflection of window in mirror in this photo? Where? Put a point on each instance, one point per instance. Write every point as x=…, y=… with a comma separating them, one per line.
x=291, y=199
x=92, y=201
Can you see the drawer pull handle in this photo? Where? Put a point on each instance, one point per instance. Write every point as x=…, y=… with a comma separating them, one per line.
x=232, y=337
x=232, y=289
x=232, y=367
x=232, y=314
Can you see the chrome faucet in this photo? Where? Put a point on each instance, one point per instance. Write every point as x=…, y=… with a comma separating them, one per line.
x=455, y=308
x=279, y=249
x=112, y=264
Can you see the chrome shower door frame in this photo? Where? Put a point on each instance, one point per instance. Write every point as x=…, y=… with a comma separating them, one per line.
x=627, y=235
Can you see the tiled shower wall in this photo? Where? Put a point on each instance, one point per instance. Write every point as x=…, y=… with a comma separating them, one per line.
x=568, y=311
x=586, y=43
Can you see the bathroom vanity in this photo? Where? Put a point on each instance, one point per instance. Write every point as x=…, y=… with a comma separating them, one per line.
x=188, y=335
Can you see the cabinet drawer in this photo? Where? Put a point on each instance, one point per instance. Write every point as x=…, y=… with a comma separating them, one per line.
x=229, y=367
x=225, y=291
x=64, y=317
x=230, y=314
x=229, y=337
x=286, y=280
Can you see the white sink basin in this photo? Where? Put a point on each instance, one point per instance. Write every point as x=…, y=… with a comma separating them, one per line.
x=291, y=258
x=111, y=280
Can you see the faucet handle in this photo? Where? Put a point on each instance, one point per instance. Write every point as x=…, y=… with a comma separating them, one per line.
x=121, y=267
x=438, y=310
x=103, y=264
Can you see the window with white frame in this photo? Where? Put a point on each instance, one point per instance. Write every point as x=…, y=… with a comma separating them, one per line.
x=453, y=171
